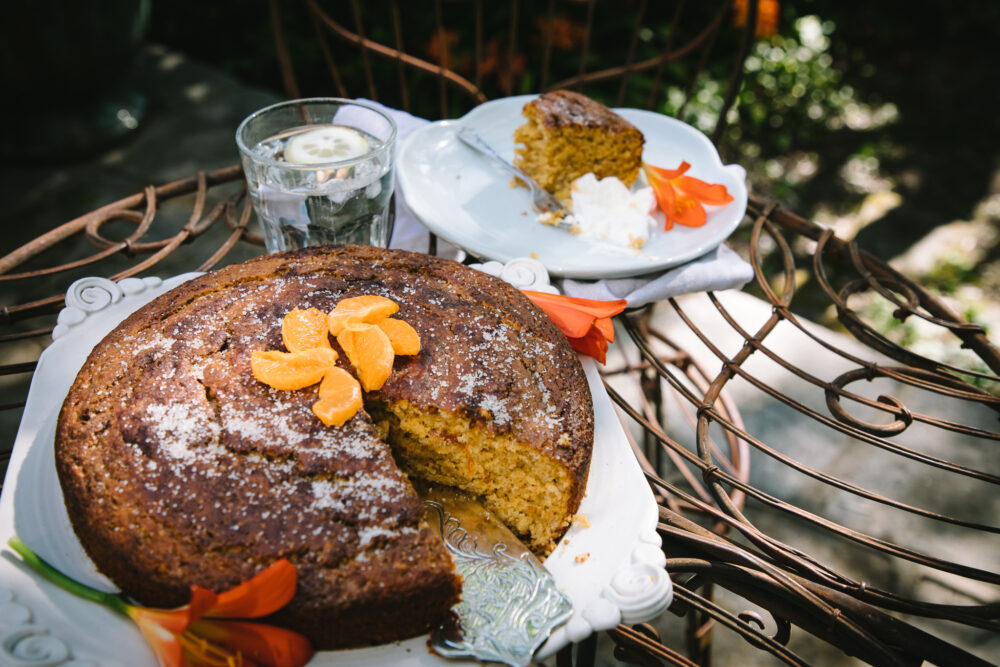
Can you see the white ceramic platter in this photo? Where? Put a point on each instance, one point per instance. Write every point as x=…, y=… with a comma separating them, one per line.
x=467, y=200
x=609, y=563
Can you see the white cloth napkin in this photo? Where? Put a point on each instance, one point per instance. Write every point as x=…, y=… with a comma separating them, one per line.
x=408, y=233
x=720, y=269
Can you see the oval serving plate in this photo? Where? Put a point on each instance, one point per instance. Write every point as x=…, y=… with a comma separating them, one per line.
x=609, y=563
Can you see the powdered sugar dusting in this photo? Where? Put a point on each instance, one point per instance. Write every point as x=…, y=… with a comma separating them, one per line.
x=370, y=533
x=211, y=452
x=179, y=429
x=497, y=408
x=260, y=425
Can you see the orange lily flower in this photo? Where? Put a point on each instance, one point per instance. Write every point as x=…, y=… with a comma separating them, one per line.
x=768, y=14
x=586, y=322
x=202, y=633
x=682, y=198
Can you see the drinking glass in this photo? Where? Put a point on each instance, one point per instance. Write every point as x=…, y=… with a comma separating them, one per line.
x=319, y=171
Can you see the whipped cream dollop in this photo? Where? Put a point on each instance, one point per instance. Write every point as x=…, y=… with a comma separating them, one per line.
x=606, y=209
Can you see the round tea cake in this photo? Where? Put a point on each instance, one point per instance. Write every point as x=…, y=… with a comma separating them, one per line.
x=179, y=467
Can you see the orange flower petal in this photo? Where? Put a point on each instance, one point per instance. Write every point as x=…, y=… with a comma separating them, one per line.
x=265, y=645
x=689, y=212
x=202, y=600
x=663, y=190
x=586, y=322
x=606, y=327
x=593, y=307
x=594, y=344
x=659, y=173
x=714, y=194
x=175, y=620
x=164, y=643
x=264, y=594
x=572, y=322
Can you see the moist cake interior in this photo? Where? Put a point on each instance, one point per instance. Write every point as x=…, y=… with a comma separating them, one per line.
x=513, y=480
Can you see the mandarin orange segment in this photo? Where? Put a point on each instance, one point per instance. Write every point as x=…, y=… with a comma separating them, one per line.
x=292, y=370
x=403, y=337
x=339, y=398
x=368, y=308
x=304, y=329
x=369, y=351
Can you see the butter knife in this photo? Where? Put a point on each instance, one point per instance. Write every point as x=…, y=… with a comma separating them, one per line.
x=542, y=200
x=510, y=603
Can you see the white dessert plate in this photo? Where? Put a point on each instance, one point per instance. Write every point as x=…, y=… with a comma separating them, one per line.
x=467, y=200
x=609, y=563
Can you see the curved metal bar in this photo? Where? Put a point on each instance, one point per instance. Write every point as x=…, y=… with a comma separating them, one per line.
x=649, y=63
x=974, y=340
x=388, y=52
x=983, y=615
x=638, y=648
x=49, y=239
x=944, y=384
x=734, y=366
x=906, y=642
x=753, y=636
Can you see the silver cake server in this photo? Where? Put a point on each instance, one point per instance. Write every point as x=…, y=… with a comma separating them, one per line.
x=510, y=603
x=554, y=211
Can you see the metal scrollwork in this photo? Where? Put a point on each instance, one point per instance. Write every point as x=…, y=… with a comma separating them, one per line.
x=893, y=405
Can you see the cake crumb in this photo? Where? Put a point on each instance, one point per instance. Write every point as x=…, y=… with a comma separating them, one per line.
x=533, y=255
x=581, y=520
x=581, y=558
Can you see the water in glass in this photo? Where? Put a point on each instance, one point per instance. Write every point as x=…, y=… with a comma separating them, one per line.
x=303, y=202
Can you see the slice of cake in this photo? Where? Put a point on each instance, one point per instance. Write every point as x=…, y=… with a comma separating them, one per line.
x=568, y=135
x=179, y=468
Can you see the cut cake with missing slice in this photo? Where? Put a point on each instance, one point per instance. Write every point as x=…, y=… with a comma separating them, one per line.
x=179, y=468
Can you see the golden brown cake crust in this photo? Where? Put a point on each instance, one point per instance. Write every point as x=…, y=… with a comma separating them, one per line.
x=179, y=468
x=561, y=108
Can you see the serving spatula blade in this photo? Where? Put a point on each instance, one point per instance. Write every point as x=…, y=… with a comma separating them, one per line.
x=510, y=603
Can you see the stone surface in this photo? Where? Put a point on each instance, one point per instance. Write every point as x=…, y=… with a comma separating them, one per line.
x=192, y=114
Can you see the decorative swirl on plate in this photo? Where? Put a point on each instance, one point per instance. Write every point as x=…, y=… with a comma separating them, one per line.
x=641, y=591
x=521, y=272
x=25, y=644
x=93, y=294
x=32, y=645
x=526, y=273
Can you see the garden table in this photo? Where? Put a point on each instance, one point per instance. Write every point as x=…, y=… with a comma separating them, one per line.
x=819, y=491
